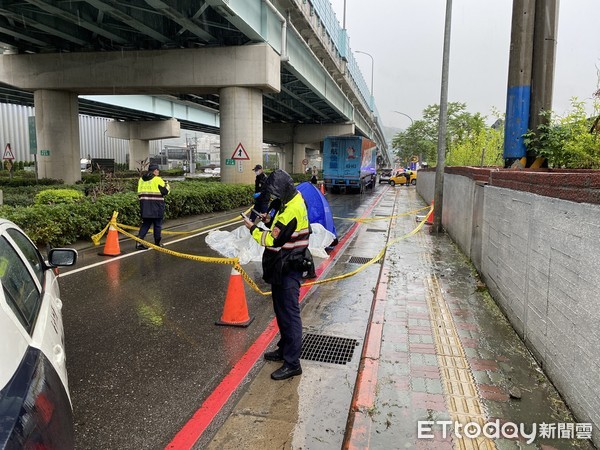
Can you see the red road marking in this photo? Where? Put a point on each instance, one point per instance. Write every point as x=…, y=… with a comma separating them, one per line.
x=194, y=428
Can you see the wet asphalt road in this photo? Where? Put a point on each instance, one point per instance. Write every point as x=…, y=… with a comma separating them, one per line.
x=143, y=350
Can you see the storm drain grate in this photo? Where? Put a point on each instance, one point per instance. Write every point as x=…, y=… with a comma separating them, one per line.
x=360, y=260
x=328, y=349
x=375, y=230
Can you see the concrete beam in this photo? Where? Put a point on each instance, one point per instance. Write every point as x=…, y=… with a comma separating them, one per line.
x=146, y=130
x=305, y=134
x=179, y=71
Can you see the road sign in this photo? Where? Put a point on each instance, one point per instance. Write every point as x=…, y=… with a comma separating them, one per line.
x=230, y=162
x=240, y=153
x=8, y=154
x=44, y=152
x=240, y=166
x=32, y=136
x=305, y=162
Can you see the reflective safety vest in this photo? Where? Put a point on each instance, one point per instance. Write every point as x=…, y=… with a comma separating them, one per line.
x=282, y=235
x=288, y=236
x=151, y=195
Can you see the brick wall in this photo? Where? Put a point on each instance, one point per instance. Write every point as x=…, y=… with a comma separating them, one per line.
x=540, y=258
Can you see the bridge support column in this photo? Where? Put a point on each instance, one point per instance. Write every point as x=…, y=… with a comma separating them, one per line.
x=57, y=132
x=139, y=151
x=139, y=135
x=241, y=126
x=299, y=156
x=293, y=154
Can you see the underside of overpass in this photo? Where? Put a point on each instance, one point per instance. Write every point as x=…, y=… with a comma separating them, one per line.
x=88, y=26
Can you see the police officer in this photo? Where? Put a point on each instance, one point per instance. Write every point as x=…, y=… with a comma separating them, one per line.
x=151, y=192
x=285, y=244
x=261, y=196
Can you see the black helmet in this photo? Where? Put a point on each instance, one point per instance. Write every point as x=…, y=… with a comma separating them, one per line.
x=279, y=184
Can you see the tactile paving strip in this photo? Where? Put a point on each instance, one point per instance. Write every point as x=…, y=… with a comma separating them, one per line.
x=460, y=390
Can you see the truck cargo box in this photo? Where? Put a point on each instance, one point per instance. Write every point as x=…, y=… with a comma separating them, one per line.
x=349, y=163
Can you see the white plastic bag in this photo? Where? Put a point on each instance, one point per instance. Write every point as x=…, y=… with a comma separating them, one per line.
x=319, y=239
x=240, y=244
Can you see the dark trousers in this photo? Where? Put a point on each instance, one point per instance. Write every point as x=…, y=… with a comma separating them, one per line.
x=287, y=313
x=156, y=224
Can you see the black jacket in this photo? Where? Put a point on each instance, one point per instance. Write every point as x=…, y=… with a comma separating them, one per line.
x=259, y=186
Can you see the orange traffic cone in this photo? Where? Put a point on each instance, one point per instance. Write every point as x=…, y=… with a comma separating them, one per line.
x=323, y=188
x=111, y=248
x=235, y=311
x=429, y=217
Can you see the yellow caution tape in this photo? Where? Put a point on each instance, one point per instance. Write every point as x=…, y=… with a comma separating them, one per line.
x=372, y=260
x=374, y=219
x=96, y=238
x=235, y=261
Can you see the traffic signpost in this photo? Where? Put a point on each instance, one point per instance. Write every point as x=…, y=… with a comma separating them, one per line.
x=8, y=156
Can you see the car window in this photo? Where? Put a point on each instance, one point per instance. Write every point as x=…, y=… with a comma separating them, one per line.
x=20, y=289
x=31, y=253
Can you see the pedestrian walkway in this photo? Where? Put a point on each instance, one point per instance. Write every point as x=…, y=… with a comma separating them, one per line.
x=429, y=349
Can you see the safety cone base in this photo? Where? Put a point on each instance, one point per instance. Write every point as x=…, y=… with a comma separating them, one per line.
x=235, y=310
x=233, y=324
x=111, y=247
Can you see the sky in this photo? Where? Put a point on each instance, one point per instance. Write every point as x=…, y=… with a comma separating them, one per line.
x=406, y=37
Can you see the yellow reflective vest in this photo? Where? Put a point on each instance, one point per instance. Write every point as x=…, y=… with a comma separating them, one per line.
x=285, y=241
x=151, y=192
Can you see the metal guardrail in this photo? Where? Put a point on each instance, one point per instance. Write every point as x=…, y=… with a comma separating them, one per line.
x=341, y=42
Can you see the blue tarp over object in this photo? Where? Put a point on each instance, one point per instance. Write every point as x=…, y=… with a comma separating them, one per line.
x=318, y=206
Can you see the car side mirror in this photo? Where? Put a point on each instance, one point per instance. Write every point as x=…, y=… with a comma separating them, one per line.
x=58, y=257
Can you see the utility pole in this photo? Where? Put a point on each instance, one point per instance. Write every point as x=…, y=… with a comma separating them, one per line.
x=544, y=59
x=518, y=98
x=438, y=197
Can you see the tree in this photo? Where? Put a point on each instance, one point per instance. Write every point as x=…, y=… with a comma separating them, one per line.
x=421, y=137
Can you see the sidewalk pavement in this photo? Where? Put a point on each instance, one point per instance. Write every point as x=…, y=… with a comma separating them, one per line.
x=431, y=346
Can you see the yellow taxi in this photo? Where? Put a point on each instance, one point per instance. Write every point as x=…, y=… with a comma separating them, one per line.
x=407, y=177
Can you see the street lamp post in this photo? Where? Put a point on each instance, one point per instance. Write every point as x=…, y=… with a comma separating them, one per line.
x=372, y=67
x=372, y=102
x=412, y=122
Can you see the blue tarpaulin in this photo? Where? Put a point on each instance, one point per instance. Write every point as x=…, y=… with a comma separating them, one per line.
x=318, y=206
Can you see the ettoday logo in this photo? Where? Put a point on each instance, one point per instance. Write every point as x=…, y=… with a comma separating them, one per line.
x=506, y=430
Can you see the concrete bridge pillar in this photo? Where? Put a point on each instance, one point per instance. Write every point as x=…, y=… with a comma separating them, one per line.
x=57, y=131
x=241, y=133
x=293, y=154
x=299, y=156
x=139, y=135
x=139, y=151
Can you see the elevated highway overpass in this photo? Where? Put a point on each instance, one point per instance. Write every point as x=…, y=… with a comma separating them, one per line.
x=257, y=71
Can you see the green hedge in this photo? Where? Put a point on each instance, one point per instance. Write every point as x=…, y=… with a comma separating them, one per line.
x=58, y=196
x=25, y=195
x=301, y=177
x=63, y=224
x=28, y=181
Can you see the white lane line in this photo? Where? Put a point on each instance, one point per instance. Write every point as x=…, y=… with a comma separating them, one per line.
x=137, y=252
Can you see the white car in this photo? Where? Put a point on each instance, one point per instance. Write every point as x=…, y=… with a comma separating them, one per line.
x=35, y=404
